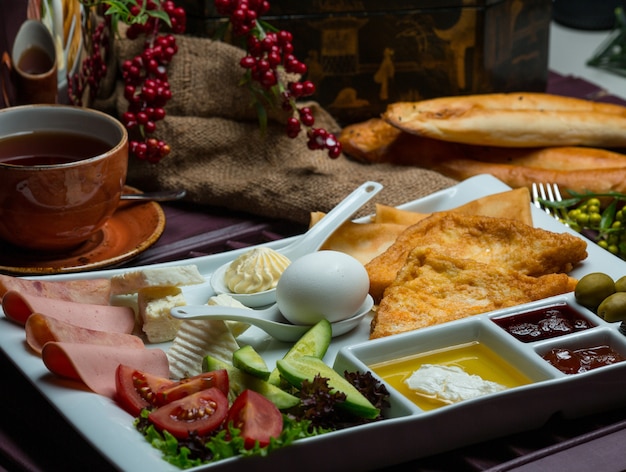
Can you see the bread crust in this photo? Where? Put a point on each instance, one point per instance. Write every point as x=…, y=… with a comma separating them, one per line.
x=513, y=120
x=571, y=167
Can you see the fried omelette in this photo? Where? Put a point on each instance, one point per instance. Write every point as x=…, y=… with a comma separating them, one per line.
x=498, y=241
x=433, y=288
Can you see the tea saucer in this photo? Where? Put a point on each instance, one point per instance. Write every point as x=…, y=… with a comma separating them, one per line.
x=132, y=229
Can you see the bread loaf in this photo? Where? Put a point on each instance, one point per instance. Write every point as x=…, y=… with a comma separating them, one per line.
x=513, y=120
x=572, y=167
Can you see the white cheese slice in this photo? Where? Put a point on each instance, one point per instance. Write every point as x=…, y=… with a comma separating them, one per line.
x=450, y=384
x=176, y=276
x=199, y=338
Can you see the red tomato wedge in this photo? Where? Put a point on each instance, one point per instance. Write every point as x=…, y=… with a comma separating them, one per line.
x=186, y=387
x=200, y=412
x=136, y=390
x=256, y=417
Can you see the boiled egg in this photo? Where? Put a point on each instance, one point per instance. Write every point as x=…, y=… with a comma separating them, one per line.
x=323, y=284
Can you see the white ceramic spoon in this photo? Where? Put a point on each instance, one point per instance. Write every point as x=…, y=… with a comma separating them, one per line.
x=307, y=243
x=269, y=320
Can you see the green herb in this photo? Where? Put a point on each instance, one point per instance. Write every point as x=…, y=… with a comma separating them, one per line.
x=129, y=11
x=226, y=443
x=320, y=406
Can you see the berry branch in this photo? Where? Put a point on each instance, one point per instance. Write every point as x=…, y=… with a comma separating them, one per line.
x=146, y=86
x=93, y=69
x=270, y=66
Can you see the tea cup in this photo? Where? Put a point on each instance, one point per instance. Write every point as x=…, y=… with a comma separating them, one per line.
x=32, y=66
x=62, y=170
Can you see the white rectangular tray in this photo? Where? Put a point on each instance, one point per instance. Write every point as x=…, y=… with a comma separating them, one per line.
x=408, y=434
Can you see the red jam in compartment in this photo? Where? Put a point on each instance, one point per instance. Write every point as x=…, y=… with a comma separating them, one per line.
x=543, y=323
x=571, y=361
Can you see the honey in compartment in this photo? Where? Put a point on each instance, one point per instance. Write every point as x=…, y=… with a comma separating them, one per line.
x=473, y=357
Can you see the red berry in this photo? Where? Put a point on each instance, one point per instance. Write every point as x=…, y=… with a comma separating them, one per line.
x=247, y=62
x=284, y=37
x=308, y=88
x=149, y=127
x=127, y=117
x=269, y=79
x=296, y=89
x=129, y=92
x=165, y=149
x=142, y=118
x=158, y=114
x=335, y=151
x=307, y=119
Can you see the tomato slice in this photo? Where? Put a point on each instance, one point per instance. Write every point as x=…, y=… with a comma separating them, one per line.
x=201, y=412
x=185, y=387
x=136, y=390
x=256, y=417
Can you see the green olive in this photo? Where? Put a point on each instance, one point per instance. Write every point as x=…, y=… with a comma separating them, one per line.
x=620, y=285
x=593, y=288
x=613, y=308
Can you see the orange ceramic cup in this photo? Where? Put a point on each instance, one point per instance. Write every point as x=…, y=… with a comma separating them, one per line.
x=62, y=170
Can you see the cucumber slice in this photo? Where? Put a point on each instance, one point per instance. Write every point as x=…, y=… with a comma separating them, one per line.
x=298, y=369
x=239, y=381
x=251, y=362
x=313, y=343
x=210, y=363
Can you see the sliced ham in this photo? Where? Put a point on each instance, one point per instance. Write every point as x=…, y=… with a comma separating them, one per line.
x=94, y=291
x=95, y=365
x=41, y=329
x=19, y=306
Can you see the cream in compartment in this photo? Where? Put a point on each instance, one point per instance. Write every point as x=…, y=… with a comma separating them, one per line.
x=255, y=271
x=450, y=383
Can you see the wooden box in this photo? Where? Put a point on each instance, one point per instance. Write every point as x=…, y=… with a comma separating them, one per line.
x=364, y=54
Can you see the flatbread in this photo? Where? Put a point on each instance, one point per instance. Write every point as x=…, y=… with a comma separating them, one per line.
x=512, y=204
x=363, y=241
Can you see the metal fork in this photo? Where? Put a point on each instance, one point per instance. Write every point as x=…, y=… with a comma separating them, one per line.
x=550, y=193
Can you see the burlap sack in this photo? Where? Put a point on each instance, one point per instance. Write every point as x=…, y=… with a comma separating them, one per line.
x=221, y=158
